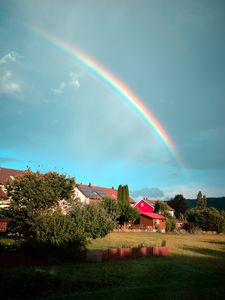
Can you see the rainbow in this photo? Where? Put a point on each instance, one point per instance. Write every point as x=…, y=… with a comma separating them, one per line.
x=118, y=86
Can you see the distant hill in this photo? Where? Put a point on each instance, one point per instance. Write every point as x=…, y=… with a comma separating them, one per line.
x=218, y=203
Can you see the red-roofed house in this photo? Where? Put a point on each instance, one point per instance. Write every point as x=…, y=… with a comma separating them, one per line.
x=151, y=221
x=147, y=206
x=91, y=194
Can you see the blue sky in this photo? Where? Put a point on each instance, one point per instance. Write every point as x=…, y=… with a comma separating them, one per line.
x=56, y=115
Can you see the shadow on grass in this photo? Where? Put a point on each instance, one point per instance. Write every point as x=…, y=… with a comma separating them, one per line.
x=215, y=242
x=205, y=251
x=174, y=277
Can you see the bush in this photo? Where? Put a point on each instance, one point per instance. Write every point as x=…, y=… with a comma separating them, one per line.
x=97, y=222
x=207, y=219
x=60, y=235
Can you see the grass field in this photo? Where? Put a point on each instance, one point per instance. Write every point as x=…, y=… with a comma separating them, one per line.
x=195, y=270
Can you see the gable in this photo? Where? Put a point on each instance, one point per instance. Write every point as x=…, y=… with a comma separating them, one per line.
x=144, y=206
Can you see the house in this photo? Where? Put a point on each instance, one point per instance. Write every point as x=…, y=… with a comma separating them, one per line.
x=7, y=175
x=86, y=193
x=147, y=206
x=151, y=221
x=92, y=194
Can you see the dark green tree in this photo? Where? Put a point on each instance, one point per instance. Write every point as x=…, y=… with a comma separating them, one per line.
x=127, y=213
x=179, y=204
x=160, y=206
x=111, y=206
x=201, y=201
x=207, y=219
x=120, y=194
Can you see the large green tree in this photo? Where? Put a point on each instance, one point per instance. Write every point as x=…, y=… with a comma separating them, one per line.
x=160, y=206
x=34, y=193
x=201, y=201
x=127, y=213
x=207, y=219
x=179, y=204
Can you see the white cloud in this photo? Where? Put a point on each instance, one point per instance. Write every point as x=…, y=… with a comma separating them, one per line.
x=72, y=81
x=60, y=88
x=9, y=57
x=8, y=84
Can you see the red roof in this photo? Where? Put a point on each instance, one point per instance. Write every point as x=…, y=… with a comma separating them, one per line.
x=153, y=215
x=9, y=174
x=110, y=192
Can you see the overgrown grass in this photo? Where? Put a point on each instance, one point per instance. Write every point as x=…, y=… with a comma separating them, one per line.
x=194, y=270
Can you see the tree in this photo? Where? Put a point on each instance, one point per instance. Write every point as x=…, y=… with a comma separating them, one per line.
x=207, y=219
x=111, y=207
x=201, y=201
x=120, y=194
x=32, y=195
x=179, y=204
x=97, y=222
x=127, y=213
x=160, y=206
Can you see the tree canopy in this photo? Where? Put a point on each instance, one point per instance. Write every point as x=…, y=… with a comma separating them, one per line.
x=201, y=201
x=179, y=204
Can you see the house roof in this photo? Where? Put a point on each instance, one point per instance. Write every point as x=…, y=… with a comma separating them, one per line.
x=9, y=174
x=152, y=203
x=152, y=215
x=98, y=192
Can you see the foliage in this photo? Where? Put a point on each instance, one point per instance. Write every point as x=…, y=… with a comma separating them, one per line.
x=208, y=219
x=179, y=204
x=170, y=221
x=120, y=194
x=97, y=221
x=123, y=195
x=60, y=233
x=218, y=203
x=40, y=190
x=31, y=195
x=111, y=206
x=160, y=206
x=127, y=213
x=201, y=201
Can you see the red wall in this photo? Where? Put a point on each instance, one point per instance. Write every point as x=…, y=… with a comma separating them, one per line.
x=142, y=206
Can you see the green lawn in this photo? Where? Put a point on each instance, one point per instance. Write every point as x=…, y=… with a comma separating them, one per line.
x=195, y=270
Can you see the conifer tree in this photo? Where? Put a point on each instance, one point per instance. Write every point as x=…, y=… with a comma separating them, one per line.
x=120, y=194
x=201, y=201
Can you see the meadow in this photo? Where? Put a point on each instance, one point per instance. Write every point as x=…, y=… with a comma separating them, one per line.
x=195, y=269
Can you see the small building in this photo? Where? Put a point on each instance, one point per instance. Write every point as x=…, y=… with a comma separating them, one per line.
x=147, y=206
x=151, y=221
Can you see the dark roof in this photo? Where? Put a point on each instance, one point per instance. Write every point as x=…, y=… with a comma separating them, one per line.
x=9, y=174
x=98, y=192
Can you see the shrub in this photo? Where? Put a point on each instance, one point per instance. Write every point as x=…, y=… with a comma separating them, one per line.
x=60, y=235
x=97, y=222
x=208, y=219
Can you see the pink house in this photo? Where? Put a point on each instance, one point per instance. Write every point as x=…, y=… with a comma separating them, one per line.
x=145, y=206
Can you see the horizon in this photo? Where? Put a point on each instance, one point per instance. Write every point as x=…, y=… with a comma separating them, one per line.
x=140, y=103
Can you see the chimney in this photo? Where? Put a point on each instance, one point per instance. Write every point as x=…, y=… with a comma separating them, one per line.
x=112, y=187
x=89, y=184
